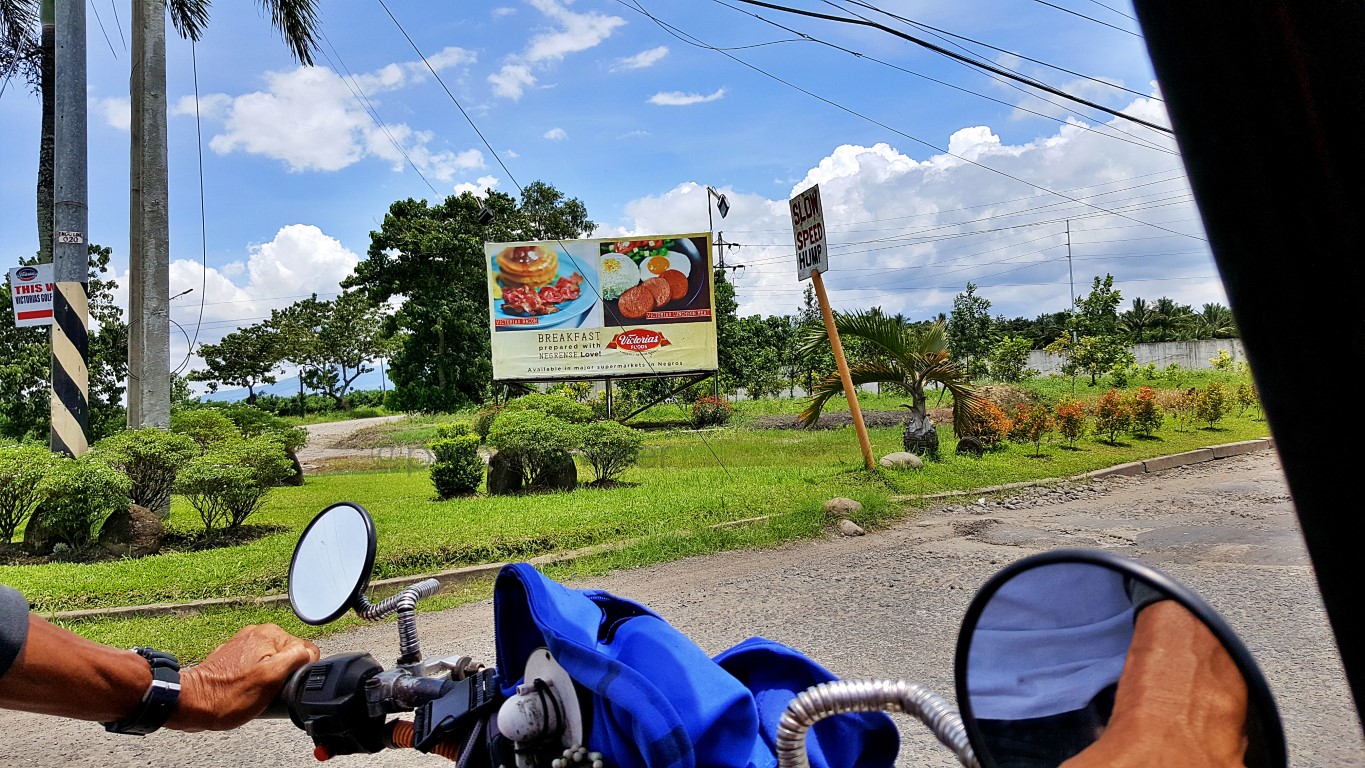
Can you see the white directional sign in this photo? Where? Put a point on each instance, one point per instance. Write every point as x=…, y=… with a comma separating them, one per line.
x=808, y=228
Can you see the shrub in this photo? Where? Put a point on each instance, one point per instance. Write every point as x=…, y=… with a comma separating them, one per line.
x=22, y=469
x=208, y=427
x=991, y=427
x=457, y=468
x=1071, y=419
x=150, y=457
x=1211, y=404
x=1246, y=397
x=534, y=441
x=483, y=420
x=229, y=483
x=251, y=422
x=80, y=494
x=711, y=411
x=577, y=391
x=623, y=402
x=610, y=448
x=1113, y=415
x=1032, y=423
x=1222, y=362
x=1179, y=404
x=1147, y=415
x=558, y=406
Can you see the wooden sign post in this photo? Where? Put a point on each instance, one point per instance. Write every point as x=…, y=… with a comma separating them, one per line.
x=812, y=258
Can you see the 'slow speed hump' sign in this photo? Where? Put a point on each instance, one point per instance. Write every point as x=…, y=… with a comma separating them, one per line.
x=808, y=228
x=31, y=290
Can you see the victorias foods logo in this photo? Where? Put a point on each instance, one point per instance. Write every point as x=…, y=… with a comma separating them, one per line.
x=27, y=274
x=637, y=340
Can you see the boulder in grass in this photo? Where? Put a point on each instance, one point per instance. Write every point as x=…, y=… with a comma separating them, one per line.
x=840, y=508
x=133, y=532
x=901, y=460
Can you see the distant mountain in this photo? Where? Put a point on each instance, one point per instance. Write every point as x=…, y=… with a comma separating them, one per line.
x=290, y=387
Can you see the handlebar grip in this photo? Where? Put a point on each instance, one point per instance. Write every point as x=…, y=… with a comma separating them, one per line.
x=281, y=707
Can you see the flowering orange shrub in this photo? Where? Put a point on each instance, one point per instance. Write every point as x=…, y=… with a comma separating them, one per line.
x=1032, y=423
x=1147, y=415
x=1071, y=419
x=1113, y=415
x=992, y=426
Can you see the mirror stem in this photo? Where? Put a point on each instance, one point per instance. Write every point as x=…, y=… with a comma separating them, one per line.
x=405, y=605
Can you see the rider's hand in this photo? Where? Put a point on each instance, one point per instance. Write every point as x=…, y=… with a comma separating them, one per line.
x=1181, y=699
x=239, y=678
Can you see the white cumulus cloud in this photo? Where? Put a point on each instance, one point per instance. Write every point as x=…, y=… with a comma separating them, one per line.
x=570, y=33
x=680, y=99
x=556, y=134
x=642, y=59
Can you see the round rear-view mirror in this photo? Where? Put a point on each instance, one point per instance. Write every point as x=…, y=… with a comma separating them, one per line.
x=332, y=563
x=1081, y=658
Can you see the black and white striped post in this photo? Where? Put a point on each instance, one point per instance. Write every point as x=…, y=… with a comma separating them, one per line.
x=70, y=255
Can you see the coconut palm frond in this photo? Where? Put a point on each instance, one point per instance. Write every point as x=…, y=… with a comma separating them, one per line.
x=189, y=17
x=297, y=23
x=833, y=386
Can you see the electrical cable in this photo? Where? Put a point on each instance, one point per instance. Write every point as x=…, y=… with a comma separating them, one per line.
x=1088, y=18
x=679, y=34
x=945, y=52
x=203, y=214
x=1132, y=139
x=100, y=21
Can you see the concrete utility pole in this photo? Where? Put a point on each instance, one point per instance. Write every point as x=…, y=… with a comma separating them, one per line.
x=149, y=331
x=69, y=399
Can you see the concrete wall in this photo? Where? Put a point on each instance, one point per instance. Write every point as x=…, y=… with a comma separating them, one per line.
x=1190, y=355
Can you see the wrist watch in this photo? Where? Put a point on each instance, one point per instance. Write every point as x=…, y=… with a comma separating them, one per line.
x=160, y=700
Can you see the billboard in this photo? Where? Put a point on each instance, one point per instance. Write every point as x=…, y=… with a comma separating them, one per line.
x=601, y=308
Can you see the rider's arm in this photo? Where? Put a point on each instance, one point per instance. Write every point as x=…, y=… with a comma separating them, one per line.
x=57, y=672
x=1181, y=699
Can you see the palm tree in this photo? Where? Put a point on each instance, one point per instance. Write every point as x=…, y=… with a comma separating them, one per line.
x=1215, y=322
x=907, y=357
x=1137, y=320
x=1170, y=321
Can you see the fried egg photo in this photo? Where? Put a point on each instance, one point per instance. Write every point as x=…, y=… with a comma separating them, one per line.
x=653, y=266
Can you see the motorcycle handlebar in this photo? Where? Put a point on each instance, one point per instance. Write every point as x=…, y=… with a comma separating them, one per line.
x=280, y=708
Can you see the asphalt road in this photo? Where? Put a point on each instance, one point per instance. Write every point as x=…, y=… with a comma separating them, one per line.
x=889, y=605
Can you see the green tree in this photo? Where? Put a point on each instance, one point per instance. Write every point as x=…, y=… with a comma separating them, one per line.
x=249, y=357
x=813, y=363
x=970, y=328
x=730, y=350
x=1009, y=359
x=1214, y=321
x=1093, y=356
x=1098, y=312
x=1170, y=321
x=432, y=256
x=915, y=358
x=1136, y=321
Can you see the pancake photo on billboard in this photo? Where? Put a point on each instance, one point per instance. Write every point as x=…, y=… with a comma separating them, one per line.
x=535, y=286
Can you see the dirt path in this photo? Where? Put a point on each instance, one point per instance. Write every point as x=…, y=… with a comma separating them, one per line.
x=889, y=604
x=322, y=440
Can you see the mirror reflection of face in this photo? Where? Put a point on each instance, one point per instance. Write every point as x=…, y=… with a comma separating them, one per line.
x=1079, y=665
x=329, y=563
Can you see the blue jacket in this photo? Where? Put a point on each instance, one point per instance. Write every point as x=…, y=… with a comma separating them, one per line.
x=656, y=699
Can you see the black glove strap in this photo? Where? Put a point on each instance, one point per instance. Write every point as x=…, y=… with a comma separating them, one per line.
x=160, y=701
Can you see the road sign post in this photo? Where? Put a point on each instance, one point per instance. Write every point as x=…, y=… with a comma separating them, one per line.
x=812, y=258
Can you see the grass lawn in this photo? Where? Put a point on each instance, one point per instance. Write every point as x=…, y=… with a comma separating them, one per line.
x=684, y=483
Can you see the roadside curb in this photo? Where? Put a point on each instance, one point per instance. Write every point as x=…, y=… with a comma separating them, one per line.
x=472, y=573
x=1156, y=464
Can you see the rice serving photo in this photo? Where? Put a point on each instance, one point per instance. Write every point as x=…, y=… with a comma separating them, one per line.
x=619, y=274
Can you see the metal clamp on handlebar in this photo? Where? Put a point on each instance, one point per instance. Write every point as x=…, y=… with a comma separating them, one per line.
x=457, y=712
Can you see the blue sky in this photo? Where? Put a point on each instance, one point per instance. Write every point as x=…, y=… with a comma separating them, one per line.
x=927, y=185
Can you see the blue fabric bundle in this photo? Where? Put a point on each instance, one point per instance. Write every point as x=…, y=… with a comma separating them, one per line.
x=654, y=699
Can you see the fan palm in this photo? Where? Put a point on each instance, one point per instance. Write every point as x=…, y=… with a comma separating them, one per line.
x=907, y=357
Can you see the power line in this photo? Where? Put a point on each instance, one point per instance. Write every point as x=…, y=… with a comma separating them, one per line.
x=945, y=52
x=1088, y=18
x=694, y=41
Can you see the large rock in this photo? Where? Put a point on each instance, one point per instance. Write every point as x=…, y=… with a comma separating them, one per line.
x=38, y=538
x=562, y=475
x=840, y=508
x=504, y=475
x=295, y=479
x=134, y=532
x=901, y=460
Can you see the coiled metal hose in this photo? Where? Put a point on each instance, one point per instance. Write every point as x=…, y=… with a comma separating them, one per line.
x=841, y=696
x=404, y=604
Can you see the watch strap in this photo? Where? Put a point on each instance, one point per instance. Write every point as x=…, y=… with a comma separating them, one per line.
x=160, y=700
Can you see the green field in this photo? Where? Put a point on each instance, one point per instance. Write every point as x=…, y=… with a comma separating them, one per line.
x=664, y=508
